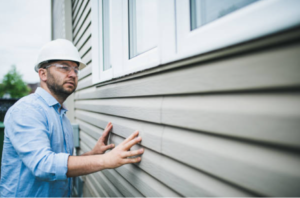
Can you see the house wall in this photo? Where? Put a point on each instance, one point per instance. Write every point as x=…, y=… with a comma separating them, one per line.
x=224, y=123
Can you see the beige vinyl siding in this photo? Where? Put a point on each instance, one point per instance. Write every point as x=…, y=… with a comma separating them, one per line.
x=85, y=72
x=94, y=184
x=215, y=140
x=81, y=33
x=225, y=126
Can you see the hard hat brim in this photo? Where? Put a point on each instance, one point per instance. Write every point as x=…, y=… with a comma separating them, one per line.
x=37, y=66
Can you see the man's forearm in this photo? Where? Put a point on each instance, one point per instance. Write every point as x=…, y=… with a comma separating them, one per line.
x=87, y=153
x=120, y=155
x=82, y=165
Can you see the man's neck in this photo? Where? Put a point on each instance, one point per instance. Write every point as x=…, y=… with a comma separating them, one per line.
x=59, y=99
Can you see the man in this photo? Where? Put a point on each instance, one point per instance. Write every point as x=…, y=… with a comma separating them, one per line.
x=37, y=156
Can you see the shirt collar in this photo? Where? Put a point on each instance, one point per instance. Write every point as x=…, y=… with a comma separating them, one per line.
x=49, y=99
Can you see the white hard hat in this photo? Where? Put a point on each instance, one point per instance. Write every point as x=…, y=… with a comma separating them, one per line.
x=59, y=49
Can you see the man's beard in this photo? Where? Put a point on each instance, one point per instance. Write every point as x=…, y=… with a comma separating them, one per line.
x=57, y=89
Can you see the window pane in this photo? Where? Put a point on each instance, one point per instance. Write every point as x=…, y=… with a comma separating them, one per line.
x=206, y=11
x=143, y=26
x=105, y=30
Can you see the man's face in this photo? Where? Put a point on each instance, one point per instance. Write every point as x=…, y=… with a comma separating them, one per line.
x=62, y=82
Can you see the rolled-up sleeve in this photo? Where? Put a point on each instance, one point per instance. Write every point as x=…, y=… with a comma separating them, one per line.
x=62, y=166
x=27, y=129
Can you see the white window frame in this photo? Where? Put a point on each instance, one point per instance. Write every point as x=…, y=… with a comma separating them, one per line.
x=116, y=37
x=176, y=40
x=262, y=18
x=98, y=72
x=148, y=59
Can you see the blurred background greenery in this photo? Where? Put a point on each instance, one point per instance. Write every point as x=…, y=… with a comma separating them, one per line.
x=12, y=85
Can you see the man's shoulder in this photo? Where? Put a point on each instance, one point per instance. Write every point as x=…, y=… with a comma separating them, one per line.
x=30, y=101
x=27, y=104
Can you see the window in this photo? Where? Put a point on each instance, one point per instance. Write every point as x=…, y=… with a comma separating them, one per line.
x=140, y=35
x=206, y=11
x=102, y=67
x=143, y=26
x=206, y=25
x=106, y=35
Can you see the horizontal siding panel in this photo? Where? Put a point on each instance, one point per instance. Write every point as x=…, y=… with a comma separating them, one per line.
x=185, y=180
x=141, y=109
x=113, y=178
x=85, y=82
x=85, y=72
x=83, y=38
x=89, y=63
x=99, y=183
x=275, y=68
x=123, y=186
x=263, y=170
x=87, y=57
x=95, y=187
x=149, y=186
x=76, y=11
x=82, y=30
x=86, y=47
x=83, y=145
x=86, y=191
x=270, y=118
x=74, y=4
x=87, y=139
x=83, y=7
x=110, y=189
x=89, y=129
x=81, y=95
x=84, y=17
x=151, y=133
x=91, y=190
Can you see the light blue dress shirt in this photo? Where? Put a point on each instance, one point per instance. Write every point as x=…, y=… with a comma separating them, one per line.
x=38, y=141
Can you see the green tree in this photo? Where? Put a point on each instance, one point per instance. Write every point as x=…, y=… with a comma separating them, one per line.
x=13, y=84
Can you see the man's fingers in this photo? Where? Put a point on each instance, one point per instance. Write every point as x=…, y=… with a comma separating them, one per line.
x=132, y=160
x=109, y=146
x=132, y=136
x=106, y=131
x=108, y=127
x=133, y=153
x=129, y=144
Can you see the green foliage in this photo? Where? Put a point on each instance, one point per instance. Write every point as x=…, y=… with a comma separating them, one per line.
x=13, y=84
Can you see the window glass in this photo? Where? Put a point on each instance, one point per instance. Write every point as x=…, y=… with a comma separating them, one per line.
x=206, y=11
x=105, y=30
x=143, y=26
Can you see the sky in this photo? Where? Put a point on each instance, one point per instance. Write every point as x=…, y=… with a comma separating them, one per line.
x=25, y=26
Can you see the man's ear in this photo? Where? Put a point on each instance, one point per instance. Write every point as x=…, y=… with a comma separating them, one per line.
x=43, y=74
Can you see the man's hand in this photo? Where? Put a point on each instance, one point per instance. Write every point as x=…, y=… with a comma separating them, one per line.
x=118, y=156
x=101, y=145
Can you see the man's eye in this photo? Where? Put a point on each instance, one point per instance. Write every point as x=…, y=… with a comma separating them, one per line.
x=65, y=68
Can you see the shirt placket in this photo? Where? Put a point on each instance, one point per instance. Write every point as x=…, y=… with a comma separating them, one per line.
x=64, y=134
x=66, y=145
